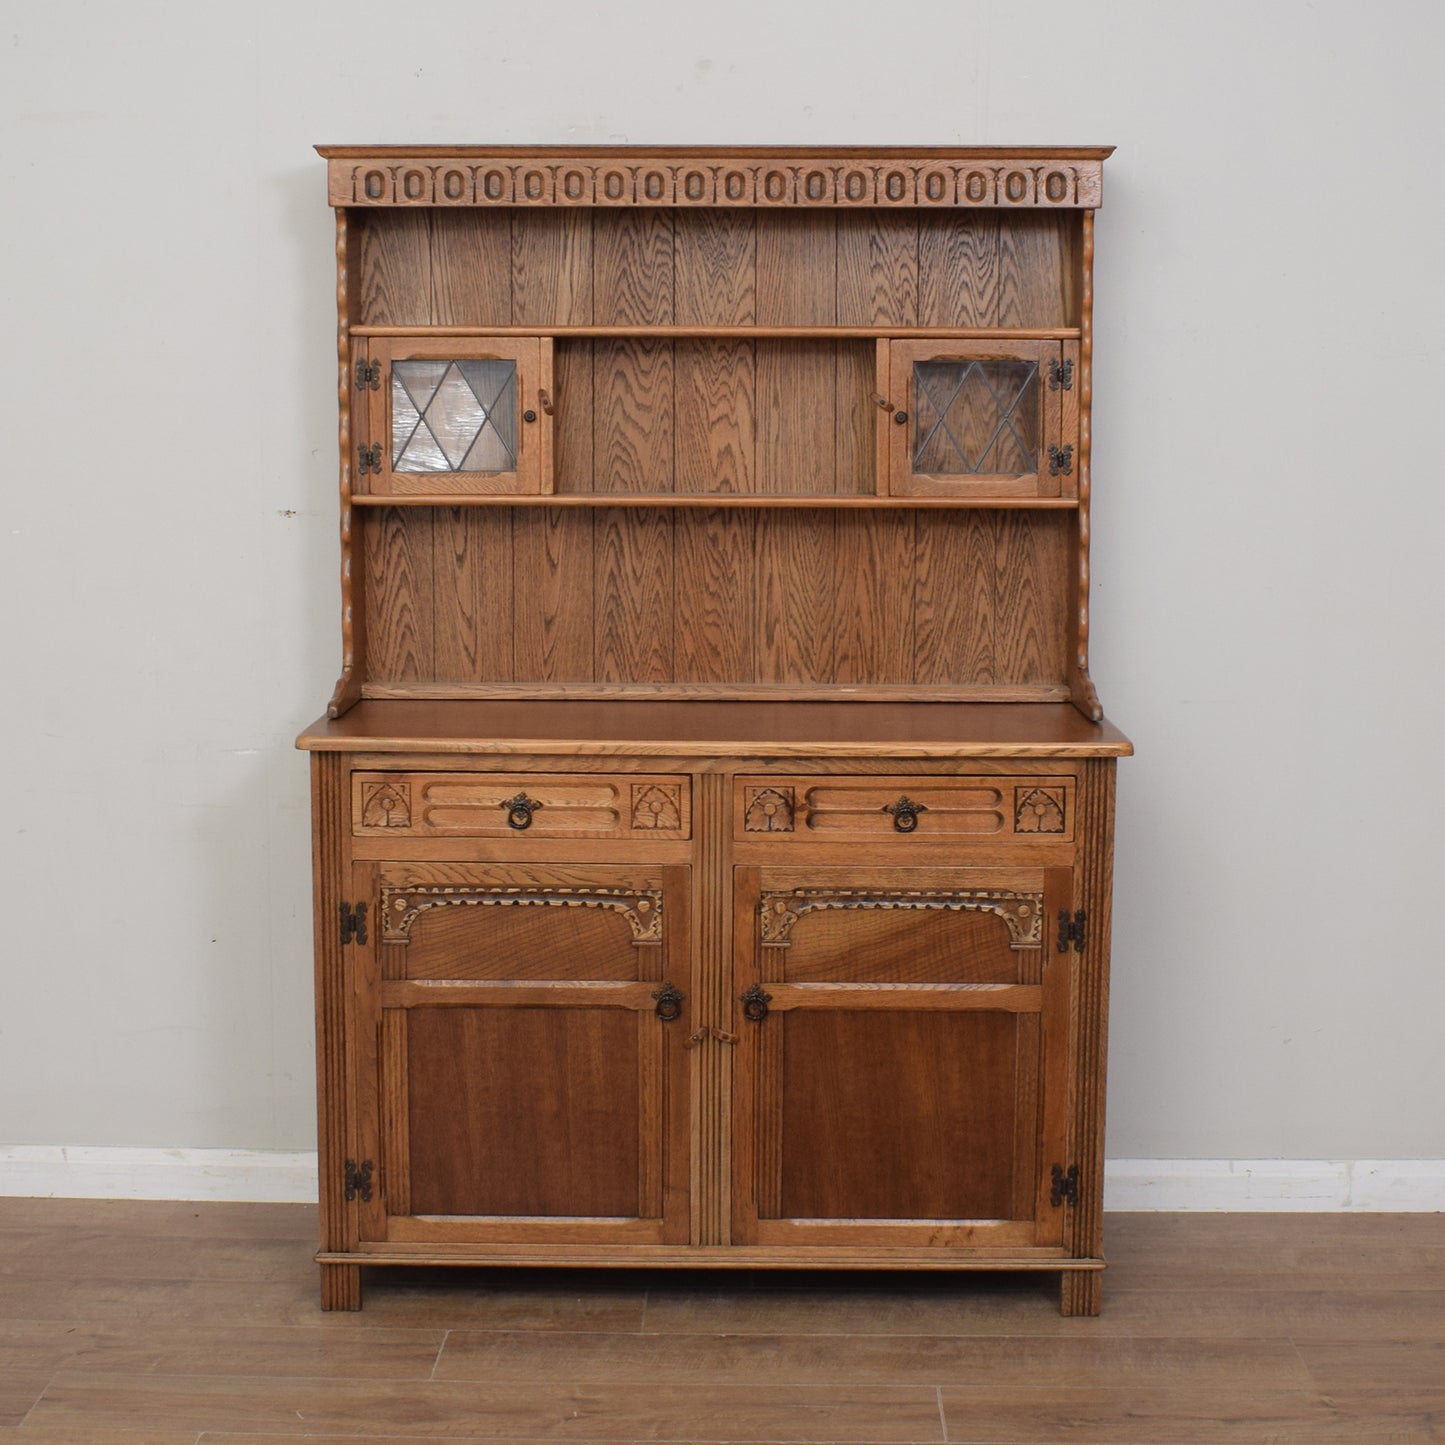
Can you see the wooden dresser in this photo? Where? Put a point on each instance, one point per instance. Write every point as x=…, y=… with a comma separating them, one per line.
x=713, y=820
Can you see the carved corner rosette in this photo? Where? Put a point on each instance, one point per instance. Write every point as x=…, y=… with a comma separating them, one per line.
x=1023, y=912
x=769, y=810
x=402, y=906
x=1039, y=810
x=656, y=807
x=386, y=805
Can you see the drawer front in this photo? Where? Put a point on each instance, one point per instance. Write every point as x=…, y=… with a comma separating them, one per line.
x=1029, y=809
x=534, y=805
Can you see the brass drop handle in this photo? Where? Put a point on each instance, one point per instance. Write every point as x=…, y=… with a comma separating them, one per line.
x=755, y=1003
x=669, y=1002
x=519, y=811
x=905, y=813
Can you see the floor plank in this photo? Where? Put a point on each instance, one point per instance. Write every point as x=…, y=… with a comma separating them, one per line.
x=1145, y=1417
x=878, y=1360
x=19, y=1390
x=738, y=1412
x=125, y=1323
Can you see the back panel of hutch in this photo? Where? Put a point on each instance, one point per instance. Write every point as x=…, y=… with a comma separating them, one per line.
x=713, y=820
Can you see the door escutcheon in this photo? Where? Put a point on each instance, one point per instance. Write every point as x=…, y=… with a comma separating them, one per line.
x=755, y=1003
x=669, y=1002
x=519, y=810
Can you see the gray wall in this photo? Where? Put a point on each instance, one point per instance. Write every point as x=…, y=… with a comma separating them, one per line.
x=1269, y=508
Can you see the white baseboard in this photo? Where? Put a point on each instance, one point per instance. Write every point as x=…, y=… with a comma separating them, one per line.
x=276, y=1177
x=1261, y=1185
x=266, y=1176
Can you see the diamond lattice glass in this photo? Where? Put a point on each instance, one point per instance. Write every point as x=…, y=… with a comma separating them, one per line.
x=975, y=418
x=454, y=416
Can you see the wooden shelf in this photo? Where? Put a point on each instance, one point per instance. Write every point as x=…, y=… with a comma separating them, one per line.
x=751, y=728
x=742, y=333
x=710, y=500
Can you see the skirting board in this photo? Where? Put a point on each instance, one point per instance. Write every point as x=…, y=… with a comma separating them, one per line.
x=276, y=1177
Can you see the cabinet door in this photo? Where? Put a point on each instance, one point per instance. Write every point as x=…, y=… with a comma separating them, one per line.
x=902, y=1071
x=982, y=418
x=521, y=1064
x=456, y=414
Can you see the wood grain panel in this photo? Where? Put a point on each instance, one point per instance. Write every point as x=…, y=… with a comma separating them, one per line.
x=551, y=268
x=901, y=945
x=954, y=591
x=633, y=596
x=393, y=284
x=875, y=561
x=796, y=597
x=632, y=416
x=856, y=417
x=797, y=259
x=1031, y=587
x=716, y=268
x=552, y=572
x=714, y=446
x=524, y=1111
x=958, y=269
x=519, y=943
x=400, y=630
x=897, y=1115
x=797, y=391
x=472, y=567
x=471, y=271
x=632, y=268
x=574, y=425
x=715, y=633
x=1034, y=268
x=877, y=269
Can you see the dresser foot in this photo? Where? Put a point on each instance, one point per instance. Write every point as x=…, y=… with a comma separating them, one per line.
x=1081, y=1292
x=340, y=1286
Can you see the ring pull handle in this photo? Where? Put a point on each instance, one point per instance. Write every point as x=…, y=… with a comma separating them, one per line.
x=755, y=1003
x=905, y=813
x=544, y=400
x=669, y=1002
x=519, y=811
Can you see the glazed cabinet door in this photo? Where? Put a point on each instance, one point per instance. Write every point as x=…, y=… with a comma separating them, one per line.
x=454, y=415
x=902, y=1060
x=520, y=1060
x=982, y=418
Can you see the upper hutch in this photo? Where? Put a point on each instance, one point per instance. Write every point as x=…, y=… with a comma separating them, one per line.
x=714, y=815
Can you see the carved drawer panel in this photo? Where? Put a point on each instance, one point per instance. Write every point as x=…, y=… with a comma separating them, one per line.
x=1022, y=809
x=500, y=805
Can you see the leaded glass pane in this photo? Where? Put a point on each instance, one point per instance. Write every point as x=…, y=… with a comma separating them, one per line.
x=454, y=416
x=975, y=418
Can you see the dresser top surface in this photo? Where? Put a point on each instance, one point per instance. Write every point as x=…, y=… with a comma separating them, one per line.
x=717, y=728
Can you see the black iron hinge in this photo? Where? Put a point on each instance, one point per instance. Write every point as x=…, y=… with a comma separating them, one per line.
x=368, y=374
x=358, y=1180
x=1065, y=1185
x=1061, y=374
x=1061, y=460
x=1072, y=930
x=368, y=458
x=353, y=923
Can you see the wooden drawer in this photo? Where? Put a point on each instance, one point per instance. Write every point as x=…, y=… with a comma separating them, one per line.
x=534, y=805
x=923, y=809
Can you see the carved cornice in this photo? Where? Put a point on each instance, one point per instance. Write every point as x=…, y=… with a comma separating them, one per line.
x=425, y=176
x=1022, y=912
x=641, y=907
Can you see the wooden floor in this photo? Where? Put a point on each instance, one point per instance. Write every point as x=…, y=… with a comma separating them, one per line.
x=192, y=1324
